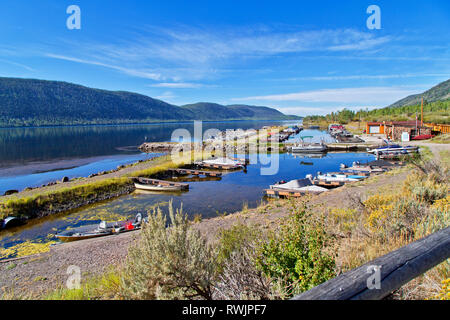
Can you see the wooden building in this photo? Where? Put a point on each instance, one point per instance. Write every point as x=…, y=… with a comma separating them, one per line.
x=394, y=129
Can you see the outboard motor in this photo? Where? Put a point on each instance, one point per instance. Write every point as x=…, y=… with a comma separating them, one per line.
x=102, y=225
x=138, y=219
x=309, y=176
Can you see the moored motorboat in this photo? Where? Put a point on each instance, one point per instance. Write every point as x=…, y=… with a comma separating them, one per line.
x=222, y=163
x=308, y=147
x=301, y=185
x=393, y=149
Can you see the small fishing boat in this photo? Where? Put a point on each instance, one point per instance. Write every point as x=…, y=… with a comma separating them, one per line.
x=100, y=230
x=393, y=149
x=159, y=185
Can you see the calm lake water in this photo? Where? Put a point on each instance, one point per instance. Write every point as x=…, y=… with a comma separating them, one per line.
x=31, y=157
x=207, y=198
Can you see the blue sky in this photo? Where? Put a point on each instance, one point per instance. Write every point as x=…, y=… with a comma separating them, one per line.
x=301, y=57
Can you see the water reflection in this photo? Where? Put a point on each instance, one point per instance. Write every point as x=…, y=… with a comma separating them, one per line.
x=208, y=198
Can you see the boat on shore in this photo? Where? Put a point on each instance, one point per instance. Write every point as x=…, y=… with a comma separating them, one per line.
x=100, y=230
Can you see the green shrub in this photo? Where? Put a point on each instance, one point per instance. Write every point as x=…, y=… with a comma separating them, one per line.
x=295, y=255
x=233, y=239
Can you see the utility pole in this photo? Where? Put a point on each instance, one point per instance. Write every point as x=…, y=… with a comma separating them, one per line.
x=421, y=121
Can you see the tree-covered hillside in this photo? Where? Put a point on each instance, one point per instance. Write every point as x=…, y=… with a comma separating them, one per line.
x=29, y=102
x=441, y=92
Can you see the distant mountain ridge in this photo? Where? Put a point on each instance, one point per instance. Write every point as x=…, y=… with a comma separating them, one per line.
x=31, y=102
x=439, y=92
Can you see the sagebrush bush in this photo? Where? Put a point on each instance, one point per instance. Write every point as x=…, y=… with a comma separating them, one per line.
x=240, y=279
x=233, y=239
x=170, y=261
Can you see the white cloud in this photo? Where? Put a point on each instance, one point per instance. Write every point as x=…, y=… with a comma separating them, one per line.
x=132, y=72
x=177, y=85
x=166, y=96
x=363, y=95
x=17, y=64
x=366, y=76
x=318, y=110
x=186, y=53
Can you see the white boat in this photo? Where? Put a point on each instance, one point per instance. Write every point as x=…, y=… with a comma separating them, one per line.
x=393, y=149
x=339, y=177
x=222, y=162
x=308, y=147
x=302, y=185
x=156, y=187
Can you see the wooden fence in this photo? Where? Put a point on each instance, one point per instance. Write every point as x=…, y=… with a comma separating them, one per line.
x=396, y=269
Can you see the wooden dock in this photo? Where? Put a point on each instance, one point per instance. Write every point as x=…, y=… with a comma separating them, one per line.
x=197, y=172
x=287, y=193
x=160, y=182
x=283, y=193
x=350, y=146
x=219, y=166
x=328, y=184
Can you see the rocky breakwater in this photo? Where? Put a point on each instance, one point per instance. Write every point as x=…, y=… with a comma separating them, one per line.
x=150, y=147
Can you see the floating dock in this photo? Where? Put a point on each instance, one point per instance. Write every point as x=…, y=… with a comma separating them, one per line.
x=219, y=166
x=197, y=172
x=328, y=184
x=285, y=193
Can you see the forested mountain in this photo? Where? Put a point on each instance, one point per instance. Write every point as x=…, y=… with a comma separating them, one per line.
x=29, y=102
x=440, y=92
x=211, y=111
x=436, y=109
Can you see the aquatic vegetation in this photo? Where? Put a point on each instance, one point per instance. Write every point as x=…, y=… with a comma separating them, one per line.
x=26, y=248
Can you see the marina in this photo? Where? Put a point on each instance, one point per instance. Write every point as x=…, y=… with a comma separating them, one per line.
x=221, y=184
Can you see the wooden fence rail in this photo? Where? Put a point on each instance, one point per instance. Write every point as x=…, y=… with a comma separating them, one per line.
x=397, y=268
